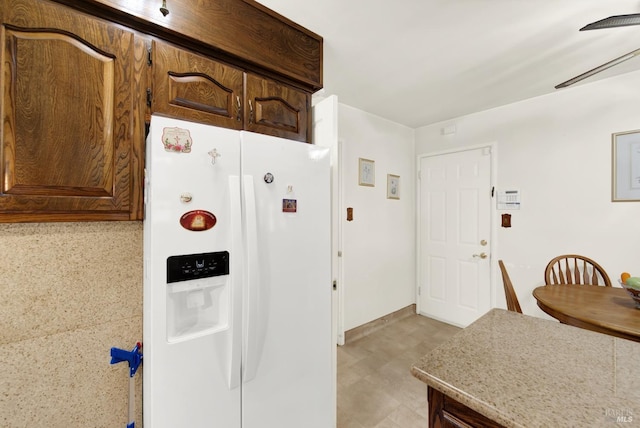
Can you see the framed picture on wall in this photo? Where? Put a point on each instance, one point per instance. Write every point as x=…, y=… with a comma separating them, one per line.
x=393, y=186
x=625, y=166
x=366, y=172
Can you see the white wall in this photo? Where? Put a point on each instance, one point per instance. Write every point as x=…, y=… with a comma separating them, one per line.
x=379, y=244
x=557, y=150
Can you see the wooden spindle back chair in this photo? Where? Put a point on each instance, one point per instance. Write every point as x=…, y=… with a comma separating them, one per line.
x=512, y=299
x=575, y=269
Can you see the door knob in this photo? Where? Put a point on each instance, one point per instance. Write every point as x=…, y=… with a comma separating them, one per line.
x=481, y=255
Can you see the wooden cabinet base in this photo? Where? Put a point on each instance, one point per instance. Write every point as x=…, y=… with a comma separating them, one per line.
x=445, y=412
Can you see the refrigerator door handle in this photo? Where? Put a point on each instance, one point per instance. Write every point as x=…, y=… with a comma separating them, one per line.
x=233, y=376
x=253, y=309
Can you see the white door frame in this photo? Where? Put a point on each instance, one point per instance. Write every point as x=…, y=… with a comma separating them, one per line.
x=493, y=147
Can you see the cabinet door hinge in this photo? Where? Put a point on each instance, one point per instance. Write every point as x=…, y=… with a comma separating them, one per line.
x=149, y=56
x=149, y=97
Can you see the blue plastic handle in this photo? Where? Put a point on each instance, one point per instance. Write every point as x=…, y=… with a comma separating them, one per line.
x=133, y=357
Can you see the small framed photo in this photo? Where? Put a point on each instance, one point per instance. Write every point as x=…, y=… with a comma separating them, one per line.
x=289, y=205
x=366, y=172
x=625, y=166
x=393, y=186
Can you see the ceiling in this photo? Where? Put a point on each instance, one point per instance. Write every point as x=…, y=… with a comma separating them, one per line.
x=417, y=62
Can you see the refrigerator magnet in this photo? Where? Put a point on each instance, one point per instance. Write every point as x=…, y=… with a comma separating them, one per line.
x=186, y=197
x=198, y=220
x=289, y=205
x=177, y=140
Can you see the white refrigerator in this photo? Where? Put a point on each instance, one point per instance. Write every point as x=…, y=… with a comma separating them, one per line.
x=237, y=280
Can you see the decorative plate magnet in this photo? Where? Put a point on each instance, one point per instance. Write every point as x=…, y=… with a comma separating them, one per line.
x=268, y=178
x=177, y=140
x=198, y=220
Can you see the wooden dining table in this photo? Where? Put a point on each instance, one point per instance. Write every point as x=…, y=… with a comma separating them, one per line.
x=608, y=310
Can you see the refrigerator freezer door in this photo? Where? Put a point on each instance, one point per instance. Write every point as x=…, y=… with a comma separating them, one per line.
x=287, y=367
x=192, y=356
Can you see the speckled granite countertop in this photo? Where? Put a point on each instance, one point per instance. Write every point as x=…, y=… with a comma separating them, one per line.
x=522, y=371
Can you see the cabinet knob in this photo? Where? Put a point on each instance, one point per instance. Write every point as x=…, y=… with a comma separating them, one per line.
x=164, y=9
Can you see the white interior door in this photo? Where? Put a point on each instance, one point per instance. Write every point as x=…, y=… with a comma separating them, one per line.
x=454, y=235
x=325, y=133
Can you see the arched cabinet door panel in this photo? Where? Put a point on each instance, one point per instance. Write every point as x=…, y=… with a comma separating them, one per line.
x=276, y=109
x=189, y=86
x=67, y=143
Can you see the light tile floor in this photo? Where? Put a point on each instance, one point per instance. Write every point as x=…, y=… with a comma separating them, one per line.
x=375, y=385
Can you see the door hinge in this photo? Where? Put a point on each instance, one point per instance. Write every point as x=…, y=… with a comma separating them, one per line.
x=149, y=97
x=419, y=291
x=419, y=174
x=493, y=190
x=149, y=56
x=335, y=284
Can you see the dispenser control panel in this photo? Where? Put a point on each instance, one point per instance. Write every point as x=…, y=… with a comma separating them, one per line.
x=195, y=266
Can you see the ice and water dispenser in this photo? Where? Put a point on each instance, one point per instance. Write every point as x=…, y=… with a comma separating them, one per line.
x=197, y=294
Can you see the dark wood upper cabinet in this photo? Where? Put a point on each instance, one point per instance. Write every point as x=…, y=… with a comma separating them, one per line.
x=67, y=108
x=193, y=87
x=276, y=109
x=241, y=32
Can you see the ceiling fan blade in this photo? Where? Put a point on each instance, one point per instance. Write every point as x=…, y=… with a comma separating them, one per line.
x=598, y=69
x=614, y=21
